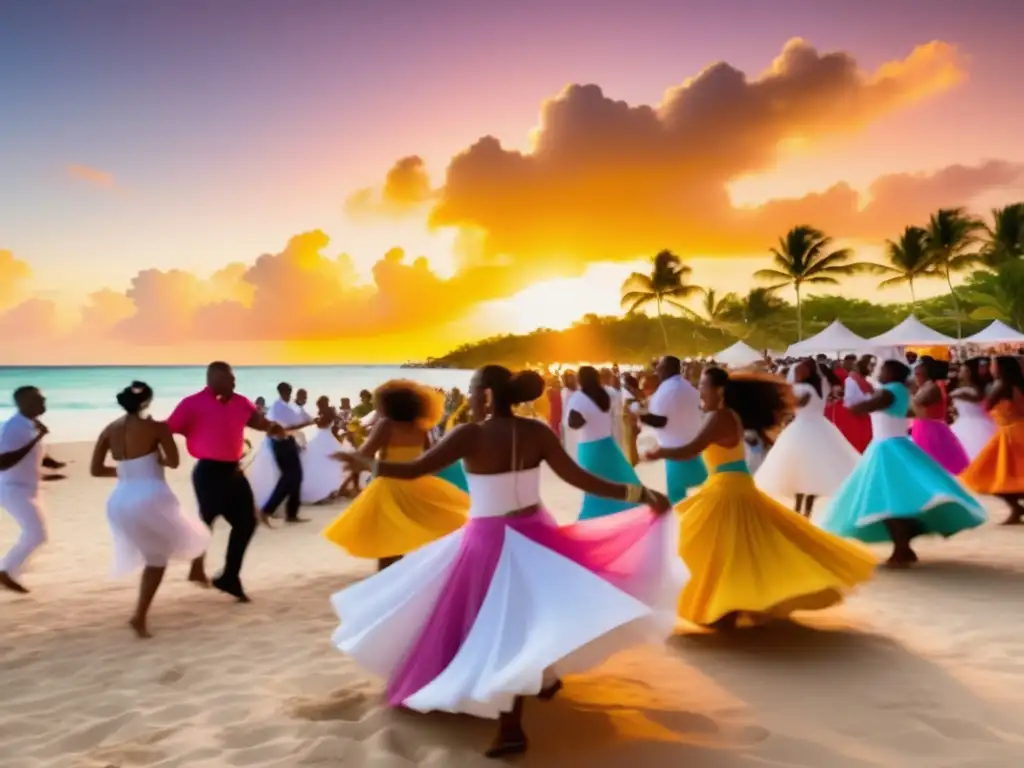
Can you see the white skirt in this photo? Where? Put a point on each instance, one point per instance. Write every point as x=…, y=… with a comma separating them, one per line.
x=811, y=457
x=149, y=528
x=973, y=432
x=322, y=476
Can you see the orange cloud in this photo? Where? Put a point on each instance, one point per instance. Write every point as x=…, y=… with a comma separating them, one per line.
x=90, y=175
x=32, y=319
x=608, y=180
x=14, y=273
x=406, y=187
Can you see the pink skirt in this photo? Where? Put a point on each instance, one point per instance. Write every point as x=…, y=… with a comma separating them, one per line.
x=935, y=438
x=472, y=620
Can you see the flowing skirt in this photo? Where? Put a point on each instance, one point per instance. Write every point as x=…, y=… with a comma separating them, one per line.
x=999, y=468
x=394, y=517
x=897, y=480
x=149, y=528
x=322, y=476
x=855, y=427
x=935, y=438
x=263, y=472
x=604, y=458
x=456, y=475
x=681, y=476
x=810, y=457
x=473, y=620
x=747, y=553
x=974, y=432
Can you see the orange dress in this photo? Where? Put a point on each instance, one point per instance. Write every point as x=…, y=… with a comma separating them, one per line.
x=999, y=468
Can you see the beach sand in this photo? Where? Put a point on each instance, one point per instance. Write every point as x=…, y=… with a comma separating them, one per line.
x=920, y=668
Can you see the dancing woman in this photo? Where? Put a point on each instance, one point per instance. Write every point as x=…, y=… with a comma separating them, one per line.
x=973, y=427
x=732, y=535
x=591, y=415
x=811, y=457
x=931, y=404
x=898, y=492
x=146, y=521
x=500, y=609
x=392, y=517
x=998, y=470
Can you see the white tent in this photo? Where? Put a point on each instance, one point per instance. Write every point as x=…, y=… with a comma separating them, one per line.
x=912, y=332
x=834, y=339
x=997, y=332
x=738, y=354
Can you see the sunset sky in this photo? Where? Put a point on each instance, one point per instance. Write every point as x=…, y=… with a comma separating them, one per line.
x=191, y=179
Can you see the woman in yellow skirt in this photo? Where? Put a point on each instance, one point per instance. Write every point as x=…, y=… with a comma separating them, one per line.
x=749, y=556
x=392, y=517
x=999, y=469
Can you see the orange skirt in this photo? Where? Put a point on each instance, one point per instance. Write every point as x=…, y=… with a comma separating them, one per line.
x=999, y=468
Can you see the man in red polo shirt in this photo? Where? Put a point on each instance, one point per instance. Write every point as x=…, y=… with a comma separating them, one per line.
x=213, y=422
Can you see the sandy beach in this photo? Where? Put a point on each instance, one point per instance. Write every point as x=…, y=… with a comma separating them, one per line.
x=920, y=668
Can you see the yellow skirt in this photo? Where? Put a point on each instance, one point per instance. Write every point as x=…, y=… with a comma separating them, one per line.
x=394, y=517
x=748, y=554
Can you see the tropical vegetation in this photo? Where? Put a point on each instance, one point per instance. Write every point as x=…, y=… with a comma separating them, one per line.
x=692, y=320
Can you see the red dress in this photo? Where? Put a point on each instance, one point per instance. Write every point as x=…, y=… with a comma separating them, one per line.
x=555, y=410
x=856, y=427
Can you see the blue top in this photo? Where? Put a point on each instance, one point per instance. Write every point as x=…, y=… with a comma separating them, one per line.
x=900, y=399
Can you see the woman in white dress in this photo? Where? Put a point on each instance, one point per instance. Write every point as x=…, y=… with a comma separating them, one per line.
x=973, y=426
x=502, y=607
x=811, y=457
x=322, y=476
x=146, y=522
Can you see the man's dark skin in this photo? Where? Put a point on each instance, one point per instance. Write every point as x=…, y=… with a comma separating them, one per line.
x=667, y=367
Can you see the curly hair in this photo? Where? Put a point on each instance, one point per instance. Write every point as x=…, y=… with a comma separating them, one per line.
x=763, y=401
x=409, y=402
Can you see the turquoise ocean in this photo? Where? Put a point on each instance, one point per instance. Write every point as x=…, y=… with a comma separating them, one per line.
x=80, y=401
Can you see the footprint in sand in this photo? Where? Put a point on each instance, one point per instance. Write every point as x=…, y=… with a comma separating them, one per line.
x=341, y=705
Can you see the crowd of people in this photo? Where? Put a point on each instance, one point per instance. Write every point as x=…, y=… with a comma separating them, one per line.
x=480, y=598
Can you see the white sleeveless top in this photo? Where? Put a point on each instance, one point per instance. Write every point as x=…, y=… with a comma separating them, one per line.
x=815, y=407
x=967, y=409
x=141, y=468
x=496, y=495
x=598, y=423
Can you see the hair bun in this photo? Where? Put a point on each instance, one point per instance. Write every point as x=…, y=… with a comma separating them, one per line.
x=133, y=397
x=524, y=387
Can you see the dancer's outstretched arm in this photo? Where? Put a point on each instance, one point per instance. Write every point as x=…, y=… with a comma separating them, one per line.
x=717, y=427
x=449, y=449
x=98, y=466
x=879, y=401
x=9, y=458
x=572, y=473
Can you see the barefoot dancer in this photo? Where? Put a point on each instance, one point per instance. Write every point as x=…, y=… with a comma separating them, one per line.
x=21, y=461
x=898, y=492
x=391, y=518
x=496, y=611
x=213, y=422
x=145, y=519
x=999, y=468
x=748, y=554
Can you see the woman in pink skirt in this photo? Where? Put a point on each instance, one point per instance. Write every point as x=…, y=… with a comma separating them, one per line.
x=503, y=607
x=930, y=430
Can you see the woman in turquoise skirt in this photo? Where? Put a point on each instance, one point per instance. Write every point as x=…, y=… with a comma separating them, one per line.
x=898, y=492
x=590, y=414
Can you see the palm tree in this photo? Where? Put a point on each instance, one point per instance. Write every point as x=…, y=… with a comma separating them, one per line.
x=805, y=255
x=716, y=311
x=666, y=284
x=999, y=296
x=909, y=259
x=753, y=314
x=1004, y=240
x=952, y=233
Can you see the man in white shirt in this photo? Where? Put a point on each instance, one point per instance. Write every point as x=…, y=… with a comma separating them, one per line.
x=674, y=413
x=286, y=455
x=21, y=462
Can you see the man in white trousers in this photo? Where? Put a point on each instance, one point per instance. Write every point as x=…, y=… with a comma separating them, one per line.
x=21, y=462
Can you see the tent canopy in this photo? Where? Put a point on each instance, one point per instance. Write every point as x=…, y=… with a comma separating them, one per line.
x=738, y=354
x=997, y=332
x=912, y=332
x=835, y=338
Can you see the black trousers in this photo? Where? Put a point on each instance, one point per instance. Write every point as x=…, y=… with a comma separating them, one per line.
x=289, y=486
x=222, y=490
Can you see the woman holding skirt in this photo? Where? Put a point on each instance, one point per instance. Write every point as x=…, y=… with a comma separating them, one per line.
x=591, y=415
x=501, y=608
x=930, y=405
x=751, y=557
